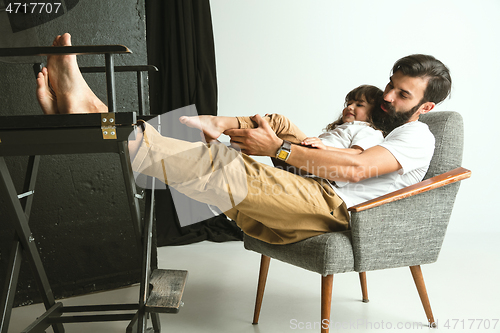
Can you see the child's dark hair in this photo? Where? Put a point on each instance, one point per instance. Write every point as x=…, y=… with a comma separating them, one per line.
x=371, y=94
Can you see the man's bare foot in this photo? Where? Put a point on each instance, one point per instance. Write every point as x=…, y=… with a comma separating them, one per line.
x=44, y=93
x=72, y=92
x=211, y=126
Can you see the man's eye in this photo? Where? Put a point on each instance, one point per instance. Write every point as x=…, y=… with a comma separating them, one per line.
x=403, y=96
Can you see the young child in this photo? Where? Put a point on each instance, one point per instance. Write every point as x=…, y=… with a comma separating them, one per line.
x=353, y=132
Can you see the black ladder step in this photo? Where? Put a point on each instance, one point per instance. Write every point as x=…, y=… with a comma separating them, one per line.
x=167, y=287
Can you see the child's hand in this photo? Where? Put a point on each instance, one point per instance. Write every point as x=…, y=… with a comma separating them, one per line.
x=313, y=142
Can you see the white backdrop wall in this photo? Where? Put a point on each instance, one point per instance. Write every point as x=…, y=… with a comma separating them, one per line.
x=300, y=58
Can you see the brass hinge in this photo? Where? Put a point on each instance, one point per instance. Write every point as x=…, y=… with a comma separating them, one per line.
x=108, y=126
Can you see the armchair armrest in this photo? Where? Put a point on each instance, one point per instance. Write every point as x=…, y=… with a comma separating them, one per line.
x=446, y=178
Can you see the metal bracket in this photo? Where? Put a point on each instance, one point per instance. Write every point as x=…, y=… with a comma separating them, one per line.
x=108, y=126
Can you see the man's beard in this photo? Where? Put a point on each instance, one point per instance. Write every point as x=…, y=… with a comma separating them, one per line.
x=387, y=121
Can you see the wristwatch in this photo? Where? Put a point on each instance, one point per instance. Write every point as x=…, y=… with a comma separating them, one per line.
x=284, y=152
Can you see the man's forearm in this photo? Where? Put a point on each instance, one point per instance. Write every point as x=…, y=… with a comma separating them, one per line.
x=328, y=164
x=338, y=165
x=354, y=151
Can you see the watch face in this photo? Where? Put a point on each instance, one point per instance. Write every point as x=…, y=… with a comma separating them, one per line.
x=283, y=155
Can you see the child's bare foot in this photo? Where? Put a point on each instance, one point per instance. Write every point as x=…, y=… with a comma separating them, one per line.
x=44, y=93
x=209, y=125
x=72, y=92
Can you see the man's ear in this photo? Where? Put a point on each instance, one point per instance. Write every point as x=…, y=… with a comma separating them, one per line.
x=426, y=107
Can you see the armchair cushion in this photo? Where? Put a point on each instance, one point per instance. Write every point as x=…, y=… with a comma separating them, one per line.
x=325, y=254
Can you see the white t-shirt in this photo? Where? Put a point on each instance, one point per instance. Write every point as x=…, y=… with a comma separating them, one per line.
x=355, y=133
x=412, y=144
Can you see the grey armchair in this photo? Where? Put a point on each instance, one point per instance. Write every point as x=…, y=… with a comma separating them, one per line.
x=403, y=228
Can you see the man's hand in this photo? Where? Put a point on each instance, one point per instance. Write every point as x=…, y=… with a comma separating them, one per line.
x=260, y=141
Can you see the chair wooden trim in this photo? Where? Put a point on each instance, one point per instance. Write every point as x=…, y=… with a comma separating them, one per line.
x=446, y=178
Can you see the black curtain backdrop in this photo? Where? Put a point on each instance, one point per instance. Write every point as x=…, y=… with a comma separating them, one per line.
x=181, y=44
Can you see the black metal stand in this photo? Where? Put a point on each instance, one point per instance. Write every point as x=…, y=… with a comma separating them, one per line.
x=80, y=134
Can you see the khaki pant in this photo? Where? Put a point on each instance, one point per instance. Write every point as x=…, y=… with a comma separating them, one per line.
x=267, y=203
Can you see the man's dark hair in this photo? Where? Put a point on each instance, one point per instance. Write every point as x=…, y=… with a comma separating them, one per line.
x=426, y=66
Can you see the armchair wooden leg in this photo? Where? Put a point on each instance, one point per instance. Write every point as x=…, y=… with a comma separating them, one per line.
x=264, y=268
x=364, y=288
x=416, y=271
x=326, y=302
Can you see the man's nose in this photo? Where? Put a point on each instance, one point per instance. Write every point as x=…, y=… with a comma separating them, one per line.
x=389, y=96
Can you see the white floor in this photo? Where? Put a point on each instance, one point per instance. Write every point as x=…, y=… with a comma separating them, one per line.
x=220, y=293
